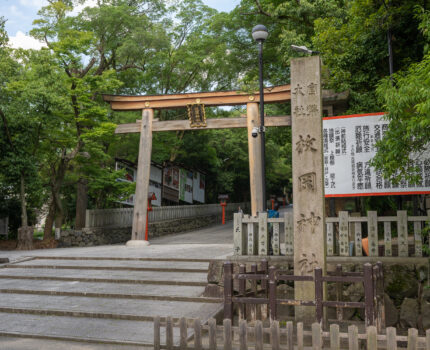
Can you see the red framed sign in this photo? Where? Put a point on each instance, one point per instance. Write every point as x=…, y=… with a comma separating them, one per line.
x=349, y=145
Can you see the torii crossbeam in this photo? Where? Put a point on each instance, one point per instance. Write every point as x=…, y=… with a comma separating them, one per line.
x=147, y=125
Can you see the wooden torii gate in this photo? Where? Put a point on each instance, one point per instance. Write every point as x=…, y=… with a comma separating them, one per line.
x=306, y=96
x=147, y=125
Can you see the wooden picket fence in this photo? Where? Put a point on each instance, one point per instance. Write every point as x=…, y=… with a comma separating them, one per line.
x=350, y=229
x=195, y=335
x=123, y=217
x=251, y=234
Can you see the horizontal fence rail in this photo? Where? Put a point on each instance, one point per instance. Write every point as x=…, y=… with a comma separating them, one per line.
x=195, y=335
x=123, y=217
x=385, y=235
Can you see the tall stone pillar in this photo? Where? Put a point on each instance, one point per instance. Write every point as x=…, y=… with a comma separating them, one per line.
x=308, y=179
x=142, y=181
x=254, y=152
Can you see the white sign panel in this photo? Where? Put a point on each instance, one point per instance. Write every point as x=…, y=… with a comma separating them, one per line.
x=198, y=187
x=154, y=182
x=348, y=146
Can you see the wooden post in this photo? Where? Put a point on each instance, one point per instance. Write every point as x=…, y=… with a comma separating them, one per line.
x=330, y=239
x=228, y=290
x=142, y=180
x=212, y=334
x=353, y=337
x=318, y=294
x=368, y=295
x=358, y=238
x=290, y=336
x=157, y=333
x=242, y=290
x=197, y=334
x=255, y=166
x=339, y=290
x=372, y=338
x=227, y=333
x=289, y=233
x=183, y=333
x=387, y=239
x=258, y=335
x=402, y=232
x=308, y=179
x=300, y=344
x=239, y=241
x=169, y=333
x=334, y=337
x=275, y=337
x=372, y=222
x=272, y=293
x=265, y=289
x=316, y=336
x=263, y=235
x=418, y=239
x=276, y=242
x=243, y=335
x=343, y=233
x=252, y=238
x=253, y=307
x=391, y=338
x=412, y=339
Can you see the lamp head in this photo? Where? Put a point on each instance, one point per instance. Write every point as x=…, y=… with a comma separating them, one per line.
x=260, y=33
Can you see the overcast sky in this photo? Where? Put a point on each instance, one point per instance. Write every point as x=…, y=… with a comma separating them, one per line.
x=21, y=13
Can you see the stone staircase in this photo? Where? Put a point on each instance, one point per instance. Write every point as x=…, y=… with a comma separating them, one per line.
x=97, y=301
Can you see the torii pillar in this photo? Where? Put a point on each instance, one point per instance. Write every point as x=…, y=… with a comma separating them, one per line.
x=142, y=181
x=308, y=179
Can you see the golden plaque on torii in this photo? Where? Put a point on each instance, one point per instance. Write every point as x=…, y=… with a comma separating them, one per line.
x=197, y=115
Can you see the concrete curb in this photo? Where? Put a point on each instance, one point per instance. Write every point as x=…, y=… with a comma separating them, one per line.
x=74, y=339
x=109, y=268
x=114, y=295
x=121, y=259
x=106, y=280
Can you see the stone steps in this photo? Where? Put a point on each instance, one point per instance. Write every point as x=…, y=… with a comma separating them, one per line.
x=100, y=300
x=106, y=274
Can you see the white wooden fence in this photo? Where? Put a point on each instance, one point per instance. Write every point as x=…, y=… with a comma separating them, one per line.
x=344, y=229
x=251, y=236
x=123, y=217
x=194, y=335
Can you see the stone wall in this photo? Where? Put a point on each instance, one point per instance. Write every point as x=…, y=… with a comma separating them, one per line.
x=406, y=285
x=105, y=235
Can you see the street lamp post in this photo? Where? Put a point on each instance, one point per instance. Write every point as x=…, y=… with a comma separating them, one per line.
x=260, y=34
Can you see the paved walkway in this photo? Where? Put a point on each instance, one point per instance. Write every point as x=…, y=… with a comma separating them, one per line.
x=106, y=296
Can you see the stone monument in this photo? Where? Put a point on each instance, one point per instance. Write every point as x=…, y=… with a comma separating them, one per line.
x=308, y=185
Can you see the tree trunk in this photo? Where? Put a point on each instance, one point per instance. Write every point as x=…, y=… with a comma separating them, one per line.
x=25, y=238
x=24, y=219
x=25, y=232
x=81, y=203
x=47, y=232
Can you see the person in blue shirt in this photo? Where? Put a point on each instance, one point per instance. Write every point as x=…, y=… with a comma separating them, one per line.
x=272, y=213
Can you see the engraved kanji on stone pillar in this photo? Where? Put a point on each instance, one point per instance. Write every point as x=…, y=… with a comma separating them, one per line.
x=308, y=188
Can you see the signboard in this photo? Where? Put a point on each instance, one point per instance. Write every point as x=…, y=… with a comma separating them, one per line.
x=186, y=186
x=348, y=146
x=171, y=177
x=198, y=187
x=154, y=182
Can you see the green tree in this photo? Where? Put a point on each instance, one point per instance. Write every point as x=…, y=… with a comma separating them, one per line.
x=91, y=48
x=406, y=99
